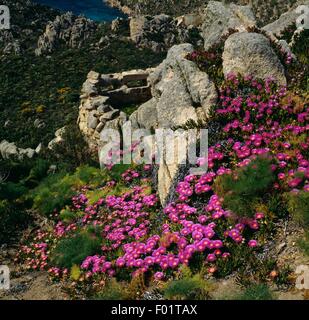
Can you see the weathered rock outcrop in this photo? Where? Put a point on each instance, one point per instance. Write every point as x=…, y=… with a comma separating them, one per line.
x=27, y=21
x=173, y=93
x=9, y=150
x=8, y=44
x=180, y=92
x=67, y=29
x=160, y=32
x=251, y=54
x=219, y=18
x=266, y=11
x=171, y=173
x=171, y=7
x=287, y=20
x=58, y=138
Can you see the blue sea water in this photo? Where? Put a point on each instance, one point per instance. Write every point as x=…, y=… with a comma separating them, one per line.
x=94, y=9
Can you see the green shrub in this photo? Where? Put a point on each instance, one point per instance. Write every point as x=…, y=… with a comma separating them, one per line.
x=187, y=288
x=129, y=109
x=256, y=292
x=11, y=190
x=118, y=170
x=304, y=243
x=36, y=173
x=39, y=170
x=94, y=195
x=112, y=291
x=298, y=207
x=23, y=175
x=72, y=251
x=91, y=176
x=299, y=71
x=12, y=219
x=56, y=191
x=277, y=205
x=68, y=216
x=52, y=194
x=21, y=171
x=243, y=190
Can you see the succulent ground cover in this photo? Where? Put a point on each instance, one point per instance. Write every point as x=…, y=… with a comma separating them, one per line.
x=218, y=223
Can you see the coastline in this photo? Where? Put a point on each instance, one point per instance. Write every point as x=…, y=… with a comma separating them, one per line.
x=96, y=10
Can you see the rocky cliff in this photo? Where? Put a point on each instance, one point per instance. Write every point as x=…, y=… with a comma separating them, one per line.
x=265, y=10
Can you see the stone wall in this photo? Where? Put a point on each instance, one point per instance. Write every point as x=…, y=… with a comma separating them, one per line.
x=105, y=95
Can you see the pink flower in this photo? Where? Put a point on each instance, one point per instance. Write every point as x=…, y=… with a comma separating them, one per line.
x=233, y=233
x=294, y=182
x=159, y=275
x=202, y=219
x=259, y=215
x=254, y=225
x=281, y=176
x=252, y=243
x=225, y=255
x=120, y=262
x=197, y=235
x=211, y=257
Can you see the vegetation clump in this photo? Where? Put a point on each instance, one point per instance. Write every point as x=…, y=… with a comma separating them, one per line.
x=256, y=292
x=72, y=251
x=243, y=190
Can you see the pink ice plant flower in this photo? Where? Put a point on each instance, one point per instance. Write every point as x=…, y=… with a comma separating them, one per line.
x=186, y=229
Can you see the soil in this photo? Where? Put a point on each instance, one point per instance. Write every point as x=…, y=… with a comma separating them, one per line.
x=27, y=285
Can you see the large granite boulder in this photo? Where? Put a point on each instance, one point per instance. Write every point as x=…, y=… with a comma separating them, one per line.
x=251, y=54
x=219, y=18
x=169, y=174
x=180, y=91
x=145, y=116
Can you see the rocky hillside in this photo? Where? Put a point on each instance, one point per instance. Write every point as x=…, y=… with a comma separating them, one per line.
x=70, y=229
x=28, y=21
x=180, y=92
x=44, y=60
x=265, y=10
x=170, y=7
